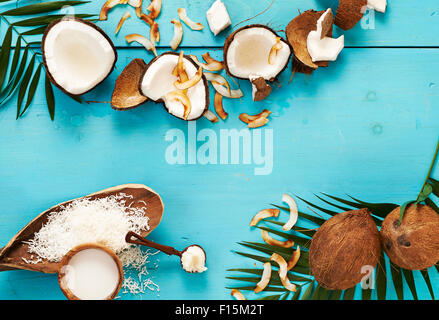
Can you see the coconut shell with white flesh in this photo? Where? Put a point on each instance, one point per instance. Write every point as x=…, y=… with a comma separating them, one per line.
x=11, y=256
x=248, y=53
x=126, y=94
x=158, y=80
x=414, y=243
x=342, y=246
x=349, y=13
x=297, y=32
x=77, y=55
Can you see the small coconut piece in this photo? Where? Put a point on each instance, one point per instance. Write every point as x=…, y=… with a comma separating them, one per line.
x=377, y=5
x=144, y=17
x=264, y=214
x=246, y=118
x=209, y=115
x=178, y=34
x=125, y=16
x=148, y=44
x=414, y=243
x=294, y=212
x=257, y=123
x=206, y=56
x=321, y=47
x=154, y=33
x=77, y=55
x=237, y=294
x=341, y=247
x=260, y=88
x=182, y=14
x=126, y=94
x=158, y=81
x=294, y=259
x=349, y=13
x=212, y=65
x=189, y=83
x=135, y=3
x=222, y=86
x=217, y=17
x=154, y=8
x=247, y=53
x=265, y=279
x=274, y=242
x=219, y=109
x=110, y=4
x=283, y=272
x=297, y=32
x=193, y=259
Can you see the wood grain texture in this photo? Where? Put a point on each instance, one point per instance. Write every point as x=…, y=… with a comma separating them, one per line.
x=366, y=125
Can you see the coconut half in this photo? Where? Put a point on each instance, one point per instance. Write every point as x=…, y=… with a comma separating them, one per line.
x=158, y=81
x=126, y=94
x=77, y=55
x=255, y=52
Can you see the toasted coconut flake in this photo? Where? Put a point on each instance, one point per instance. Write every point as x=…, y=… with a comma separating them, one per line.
x=294, y=259
x=210, y=66
x=147, y=19
x=209, y=115
x=154, y=32
x=218, y=102
x=126, y=94
x=179, y=70
x=244, y=117
x=186, y=84
x=155, y=7
x=125, y=16
x=349, y=13
x=180, y=96
x=178, y=34
x=294, y=213
x=135, y=3
x=274, y=242
x=274, y=50
x=139, y=11
x=182, y=13
x=142, y=40
x=283, y=272
x=265, y=279
x=259, y=122
x=222, y=86
x=110, y=4
x=237, y=294
x=264, y=214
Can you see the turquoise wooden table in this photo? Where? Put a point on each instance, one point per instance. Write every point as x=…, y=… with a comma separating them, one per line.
x=367, y=126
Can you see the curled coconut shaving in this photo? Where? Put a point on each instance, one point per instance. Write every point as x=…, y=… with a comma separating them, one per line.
x=212, y=64
x=219, y=109
x=182, y=14
x=125, y=16
x=274, y=242
x=264, y=214
x=209, y=115
x=283, y=272
x=294, y=213
x=222, y=86
x=265, y=279
x=244, y=117
x=148, y=44
x=154, y=8
x=294, y=259
x=110, y=4
x=178, y=34
x=237, y=294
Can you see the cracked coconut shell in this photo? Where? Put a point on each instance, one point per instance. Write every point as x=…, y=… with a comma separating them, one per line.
x=342, y=246
x=413, y=244
x=126, y=94
x=349, y=13
x=297, y=34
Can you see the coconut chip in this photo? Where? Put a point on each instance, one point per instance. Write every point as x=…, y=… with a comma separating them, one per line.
x=186, y=84
x=180, y=96
x=142, y=40
x=283, y=272
x=294, y=213
x=222, y=86
x=154, y=33
x=178, y=34
x=294, y=259
x=274, y=242
x=237, y=294
x=135, y=3
x=274, y=50
x=213, y=65
x=264, y=214
x=349, y=13
x=259, y=122
x=265, y=279
x=219, y=109
x=110, y=4
x=155, y=7
x=182, y=13
x=209, y=115
x=244, y=117
x=125, y=16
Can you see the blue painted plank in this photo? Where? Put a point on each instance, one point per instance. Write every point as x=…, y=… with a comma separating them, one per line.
x=406, y=23
x=367, y=126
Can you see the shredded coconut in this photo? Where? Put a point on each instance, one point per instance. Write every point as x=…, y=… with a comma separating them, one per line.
x=105, y=221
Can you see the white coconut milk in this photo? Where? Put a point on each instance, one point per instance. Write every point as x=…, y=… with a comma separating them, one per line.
x=91, y=274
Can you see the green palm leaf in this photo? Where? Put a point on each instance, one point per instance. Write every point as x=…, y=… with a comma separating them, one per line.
x=397, y=280
x=24, y=84
x=32, y=88
x=15, y=58
x=349, y=294
x=381, y=279
x=336, y=294
x=316, y=220
x=4, y=55
x=308, y=291
x=45, y=20
x=251, y=288
x=428, y=282
x=42, y=7
x=408, y=275
x=50, y=99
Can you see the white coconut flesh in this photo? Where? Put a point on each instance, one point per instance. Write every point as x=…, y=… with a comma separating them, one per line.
x=249, y=51
x=159, y=80
x=326, y=48
x=77, y=55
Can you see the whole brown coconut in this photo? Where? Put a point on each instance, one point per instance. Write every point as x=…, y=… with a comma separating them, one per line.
x=413, y=244
x=341, y=247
